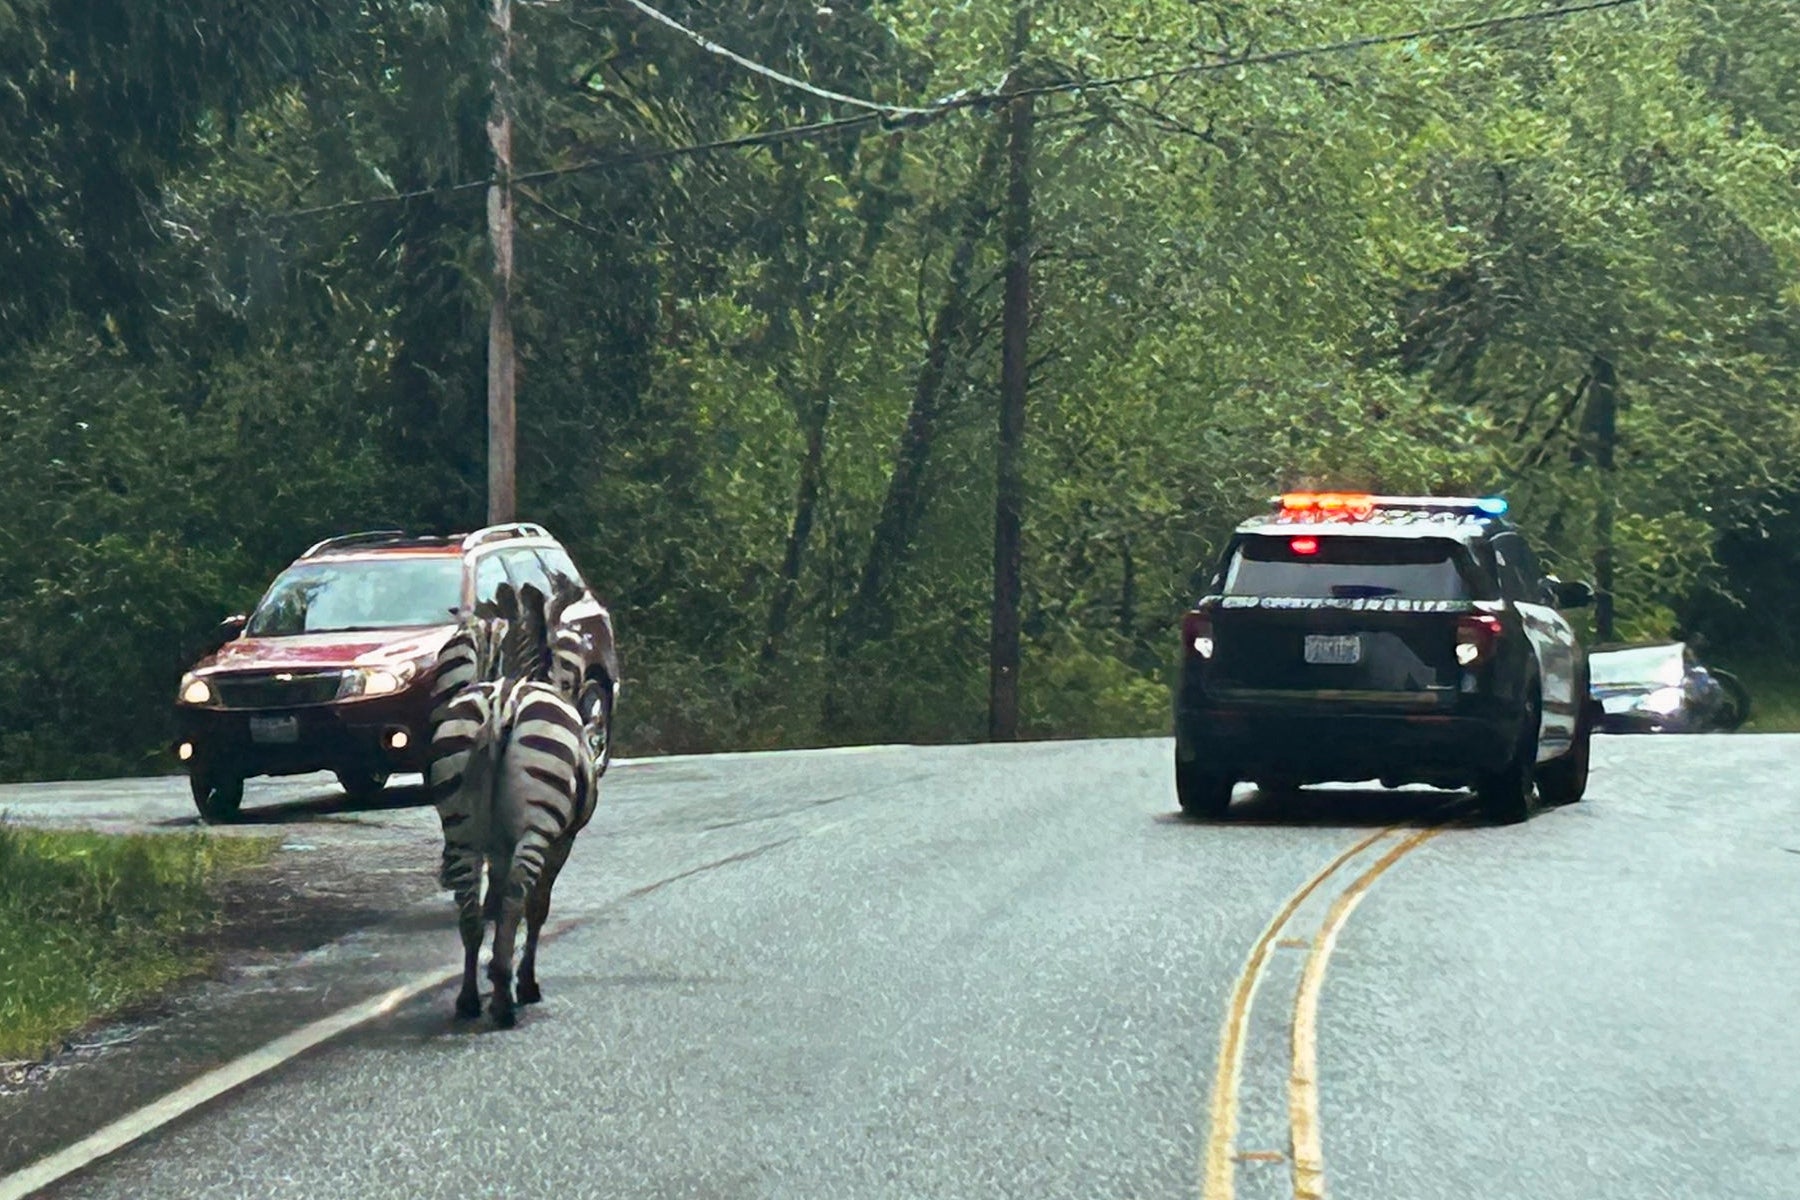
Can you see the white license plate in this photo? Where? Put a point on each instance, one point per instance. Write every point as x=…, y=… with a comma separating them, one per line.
x=1336, y=651
x=277, y=730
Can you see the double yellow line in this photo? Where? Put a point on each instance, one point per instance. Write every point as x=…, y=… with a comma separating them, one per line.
x=1305, y=1153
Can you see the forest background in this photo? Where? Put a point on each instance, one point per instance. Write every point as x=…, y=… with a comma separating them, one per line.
x=244, y=294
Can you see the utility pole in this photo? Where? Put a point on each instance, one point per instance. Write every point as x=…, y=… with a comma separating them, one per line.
x=502, y=446
x=1009, y=496
x=1605, y=401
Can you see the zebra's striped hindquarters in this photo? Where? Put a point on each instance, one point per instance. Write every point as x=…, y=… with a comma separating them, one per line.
x=513, y=785
x=546, y=789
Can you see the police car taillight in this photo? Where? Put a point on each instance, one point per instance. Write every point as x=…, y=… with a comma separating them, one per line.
x=1197, y=634
x=1475, y=637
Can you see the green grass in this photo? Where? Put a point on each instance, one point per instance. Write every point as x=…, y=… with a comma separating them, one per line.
x=91, y=922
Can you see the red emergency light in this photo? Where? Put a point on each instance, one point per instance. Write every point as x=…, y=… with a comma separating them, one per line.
x=1325, y=506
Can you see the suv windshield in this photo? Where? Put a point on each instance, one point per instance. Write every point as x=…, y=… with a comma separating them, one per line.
x=370, y=593
x=1347, y=568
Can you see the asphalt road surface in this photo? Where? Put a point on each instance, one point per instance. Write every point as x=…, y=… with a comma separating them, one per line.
x=1011, y=971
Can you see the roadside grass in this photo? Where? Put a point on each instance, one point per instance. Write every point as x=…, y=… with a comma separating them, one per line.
x=90, y=922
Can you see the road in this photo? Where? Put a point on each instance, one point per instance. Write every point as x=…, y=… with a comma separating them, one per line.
x=1011, y=971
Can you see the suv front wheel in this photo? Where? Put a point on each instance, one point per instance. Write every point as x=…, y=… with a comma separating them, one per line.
x=217, y=795
x=361, y=786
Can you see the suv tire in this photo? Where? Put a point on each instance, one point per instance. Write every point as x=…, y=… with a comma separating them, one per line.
x=1202, y=793
x=216, y=795
x=361, y=786
x=1509, y=795
x=1564, y=781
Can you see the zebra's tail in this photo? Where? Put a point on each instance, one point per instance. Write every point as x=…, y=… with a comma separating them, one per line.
x=542, y=786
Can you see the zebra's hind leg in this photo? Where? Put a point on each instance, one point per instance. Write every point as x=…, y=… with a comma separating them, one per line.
x=506, y=931
x=470, y=924
x=537, y=911
x=461, y=873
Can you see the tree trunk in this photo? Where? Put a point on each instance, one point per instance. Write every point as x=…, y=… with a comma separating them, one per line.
x=1009, y=484
x=1127, y=590
x=814, y=412
x=806, y=499
x=1604, y=409
x=870, y=614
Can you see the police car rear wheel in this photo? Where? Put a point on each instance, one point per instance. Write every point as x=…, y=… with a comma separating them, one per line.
x=1202, y=793
x=1509, y=795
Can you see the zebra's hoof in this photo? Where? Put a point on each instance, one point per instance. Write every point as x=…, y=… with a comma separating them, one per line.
x=505, y=1018
x=468, y=1007
x=529, y=992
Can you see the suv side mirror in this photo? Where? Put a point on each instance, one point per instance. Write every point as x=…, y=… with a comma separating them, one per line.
x=1574, y=594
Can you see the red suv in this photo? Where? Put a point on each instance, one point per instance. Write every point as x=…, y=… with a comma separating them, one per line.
x=332, y=670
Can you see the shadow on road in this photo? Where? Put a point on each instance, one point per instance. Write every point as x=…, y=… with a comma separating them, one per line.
x=324, y=805
x=1340, y=807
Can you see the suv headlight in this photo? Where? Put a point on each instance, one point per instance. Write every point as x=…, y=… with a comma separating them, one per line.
x=364, y=682
x=195, y=690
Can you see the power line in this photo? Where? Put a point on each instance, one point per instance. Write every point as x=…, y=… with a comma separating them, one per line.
x=923, y=116
x=762, y=137
x=467, y=185
x=899, y=116
x=712, y=47
x=1278, y=56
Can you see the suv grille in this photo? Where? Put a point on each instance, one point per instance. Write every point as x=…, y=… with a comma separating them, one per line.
x=279, y=689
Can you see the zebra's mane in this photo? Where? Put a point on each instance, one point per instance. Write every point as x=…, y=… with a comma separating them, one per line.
x=482, y=632
x=563, y=593
x=519, y=626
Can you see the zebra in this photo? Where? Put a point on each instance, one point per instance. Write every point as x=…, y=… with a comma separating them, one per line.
x=471, y=655
x=513, y=785
x=565, y=672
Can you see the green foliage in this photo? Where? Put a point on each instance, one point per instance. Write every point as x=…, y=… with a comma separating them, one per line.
x=90, y=922
x=1396, y=268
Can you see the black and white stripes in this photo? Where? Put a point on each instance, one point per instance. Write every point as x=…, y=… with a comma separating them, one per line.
x=512, y=782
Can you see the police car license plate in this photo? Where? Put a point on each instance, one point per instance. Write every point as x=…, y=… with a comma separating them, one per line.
x=277, y=730
x=1336, y=651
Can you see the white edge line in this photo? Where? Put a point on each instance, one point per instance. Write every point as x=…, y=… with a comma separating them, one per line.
x=733, y=755
x=127, y=1129
x=209, y=1086
x=872, y=748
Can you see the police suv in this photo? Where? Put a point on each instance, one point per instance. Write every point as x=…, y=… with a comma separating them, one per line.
x=1406, y=639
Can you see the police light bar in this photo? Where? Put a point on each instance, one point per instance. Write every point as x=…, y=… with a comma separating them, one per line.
x=1359, y=506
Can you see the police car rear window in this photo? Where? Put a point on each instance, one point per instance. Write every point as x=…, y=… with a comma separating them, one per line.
x=1302, y=566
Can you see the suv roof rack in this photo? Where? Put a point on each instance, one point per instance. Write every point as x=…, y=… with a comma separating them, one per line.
x=377, y=537
x=495, y=533
x=366, y=537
